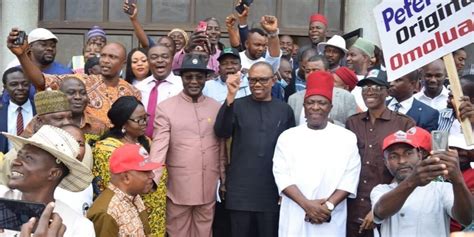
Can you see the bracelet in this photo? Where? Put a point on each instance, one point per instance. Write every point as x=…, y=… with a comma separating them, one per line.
x=274, y=34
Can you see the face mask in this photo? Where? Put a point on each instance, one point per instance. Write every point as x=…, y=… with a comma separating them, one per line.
x=282, y=82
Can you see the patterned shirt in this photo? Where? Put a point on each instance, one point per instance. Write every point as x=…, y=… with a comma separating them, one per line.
x=101, y=96
x=115, y=213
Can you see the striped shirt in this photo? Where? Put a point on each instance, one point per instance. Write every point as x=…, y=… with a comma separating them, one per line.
x=446, y=119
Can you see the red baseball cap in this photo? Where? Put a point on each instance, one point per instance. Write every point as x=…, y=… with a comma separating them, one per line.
x=131, y=157
x=399, y=137
x=422, y=137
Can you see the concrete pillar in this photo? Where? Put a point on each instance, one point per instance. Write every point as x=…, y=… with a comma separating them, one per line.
x=359, y=14
x=16, y=13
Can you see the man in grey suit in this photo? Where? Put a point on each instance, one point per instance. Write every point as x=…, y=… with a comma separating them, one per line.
x=344, y=104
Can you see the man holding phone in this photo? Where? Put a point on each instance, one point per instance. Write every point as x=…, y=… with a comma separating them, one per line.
x=44, y=162
x=413, y=205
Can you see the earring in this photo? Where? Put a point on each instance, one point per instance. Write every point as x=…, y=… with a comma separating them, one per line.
x=123, y=130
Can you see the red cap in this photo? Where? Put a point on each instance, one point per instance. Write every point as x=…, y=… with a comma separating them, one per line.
x=319, y=83
x=131, y=157
x=348, y=76
x=422, y=137
x=318, y=17
x=399, y=137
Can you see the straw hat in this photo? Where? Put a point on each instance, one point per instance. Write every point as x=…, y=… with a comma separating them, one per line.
x=64, y=148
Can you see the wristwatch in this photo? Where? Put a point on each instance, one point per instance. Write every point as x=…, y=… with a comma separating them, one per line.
x=329, y=205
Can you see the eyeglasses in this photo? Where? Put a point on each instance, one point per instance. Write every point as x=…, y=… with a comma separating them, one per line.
x=261, y=80
x=374, y=88
x=140, y=120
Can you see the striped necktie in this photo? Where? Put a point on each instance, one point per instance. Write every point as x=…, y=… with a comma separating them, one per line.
x=19, y=122
x=397, y=107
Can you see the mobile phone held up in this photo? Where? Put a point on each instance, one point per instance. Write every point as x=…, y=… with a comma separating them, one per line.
x=202, y=27
x=20, y=39
x=15, y=213
x=240, y=8
x=131, y=8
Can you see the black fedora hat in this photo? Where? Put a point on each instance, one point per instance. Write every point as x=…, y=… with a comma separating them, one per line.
x=193, y=62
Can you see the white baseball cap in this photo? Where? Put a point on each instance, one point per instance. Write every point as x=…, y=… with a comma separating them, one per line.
x=41, y=34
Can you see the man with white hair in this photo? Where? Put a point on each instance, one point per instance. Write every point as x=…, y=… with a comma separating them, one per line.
x=45, y=161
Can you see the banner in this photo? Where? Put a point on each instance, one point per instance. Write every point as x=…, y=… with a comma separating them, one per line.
x=413, y=33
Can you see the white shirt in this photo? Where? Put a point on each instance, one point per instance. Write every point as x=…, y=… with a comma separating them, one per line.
x=169, y=87
x=246, y=62
x=439, y=102
x=426, y=211
x=76, y=224
x=78, y=201
x=357, y=92
x=405, y=105
x=314, y=161
x=26, y=111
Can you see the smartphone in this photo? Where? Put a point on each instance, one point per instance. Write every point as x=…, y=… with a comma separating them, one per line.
x=131, y=8
x=21, y=38
x=202, y=27
x=15, y=213
x=240, y=8
x=439, y=140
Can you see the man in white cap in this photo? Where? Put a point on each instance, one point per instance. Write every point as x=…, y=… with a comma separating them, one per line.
x=42, y=52
x=45, y=161
x=334, y=50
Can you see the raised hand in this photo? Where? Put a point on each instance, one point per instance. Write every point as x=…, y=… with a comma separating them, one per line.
x=466, y=109
x=427, y=170
x=126, y=7
x=233, y=85
x=230, y=21
x=16, y=49
x=451, y=161
x=269, y=23
x=244, y=15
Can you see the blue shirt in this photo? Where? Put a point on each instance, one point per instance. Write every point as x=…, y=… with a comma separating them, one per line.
x=300, y=84
x=217, y=89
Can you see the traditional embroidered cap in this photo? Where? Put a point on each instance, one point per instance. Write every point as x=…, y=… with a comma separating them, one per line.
x=64, y=148
x=422, y=137
x=335, y=41
x=399, y=137
x=457, y=140
x=320, y=83
x=96, y=31
x=51, y=101
x=41, y=34
x=376, y=76
x=185, y=35
x=193, y=62
x=131, y=157
x=366, y=46
x=318, y=17
x=229, y=51
x=348, y=76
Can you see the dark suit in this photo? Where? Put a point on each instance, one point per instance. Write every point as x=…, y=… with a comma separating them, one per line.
x=424, y=116
x=4, y=125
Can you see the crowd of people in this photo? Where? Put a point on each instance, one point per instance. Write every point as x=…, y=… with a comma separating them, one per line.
x=186, y=136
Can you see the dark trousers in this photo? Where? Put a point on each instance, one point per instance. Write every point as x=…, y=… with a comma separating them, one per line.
x=254, y=224
x=221, y=224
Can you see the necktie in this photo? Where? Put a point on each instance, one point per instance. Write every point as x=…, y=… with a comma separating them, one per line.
x=397, y=107
x=19, y=122
x=151, y=107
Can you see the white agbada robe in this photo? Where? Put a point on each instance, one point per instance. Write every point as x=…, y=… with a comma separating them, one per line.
x=318, y=162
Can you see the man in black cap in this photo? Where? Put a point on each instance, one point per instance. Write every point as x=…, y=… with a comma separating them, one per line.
x=229, y=66
x=371, y=127
x=194, y=156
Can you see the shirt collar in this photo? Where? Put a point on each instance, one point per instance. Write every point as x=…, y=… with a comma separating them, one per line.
x=135, y=200
x=189, y=99
x=405, y=104
x=26, y=106
x=386, y=115
x=444, y=92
